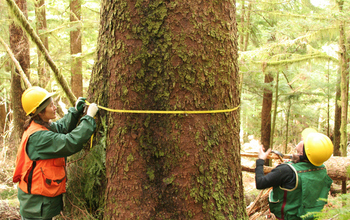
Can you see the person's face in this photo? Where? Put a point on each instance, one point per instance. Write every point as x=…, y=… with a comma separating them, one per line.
x=49, y=112
x=299, y=148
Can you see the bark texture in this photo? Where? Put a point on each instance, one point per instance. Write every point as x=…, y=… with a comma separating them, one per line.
x=75, y=48
x=344, y=85
x=337, y=121
x=3, y=115
x=266, y=112
x=41, y=26
x=19, y=44
x=170, y=55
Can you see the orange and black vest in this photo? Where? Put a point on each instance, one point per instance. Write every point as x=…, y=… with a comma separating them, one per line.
x=41, y=177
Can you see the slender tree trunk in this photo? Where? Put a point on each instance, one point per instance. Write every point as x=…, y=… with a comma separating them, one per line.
x=275, y=110
x=40, y=13
x=266, y=113
x=243, y=28
x=4, y=99
x=19, y=44
x=158, y=55
x=287, y=124
x=3, y=114
x=344, y=86
x=328, y=104
x=75, y=49
x=337, y=120
x=247, y=27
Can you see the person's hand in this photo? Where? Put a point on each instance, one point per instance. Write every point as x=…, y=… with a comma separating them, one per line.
x=263, y=155
x=80, y=104
x=92, y=110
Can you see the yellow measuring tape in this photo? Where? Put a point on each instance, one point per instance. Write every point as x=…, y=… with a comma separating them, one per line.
x=160, y=112
x=165, y=112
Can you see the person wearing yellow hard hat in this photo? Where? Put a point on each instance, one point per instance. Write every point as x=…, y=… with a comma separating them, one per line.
x=41, y=157
x=301, y=186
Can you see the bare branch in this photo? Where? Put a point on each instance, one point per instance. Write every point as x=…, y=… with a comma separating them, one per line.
x=18, y=66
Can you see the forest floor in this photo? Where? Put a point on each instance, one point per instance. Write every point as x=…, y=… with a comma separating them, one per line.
x=9, y=205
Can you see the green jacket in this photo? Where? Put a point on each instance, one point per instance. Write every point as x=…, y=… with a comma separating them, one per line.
x=64, y=139
x=309, y=195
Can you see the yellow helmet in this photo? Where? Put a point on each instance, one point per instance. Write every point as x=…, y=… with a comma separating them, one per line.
x=33, y=97
x=318, y=147
x=306, y=132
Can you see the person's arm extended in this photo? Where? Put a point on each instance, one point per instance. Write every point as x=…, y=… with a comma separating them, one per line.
x=67, y=123
x=48, y=144
x=277, y=177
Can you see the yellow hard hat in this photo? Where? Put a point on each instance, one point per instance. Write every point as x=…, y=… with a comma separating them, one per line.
x=33, y=97
x=306, y=132
x=318, y=147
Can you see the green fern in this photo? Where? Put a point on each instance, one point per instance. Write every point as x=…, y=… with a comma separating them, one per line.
x=86, y=179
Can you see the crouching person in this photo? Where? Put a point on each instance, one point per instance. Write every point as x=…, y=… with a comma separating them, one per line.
x=301, y=186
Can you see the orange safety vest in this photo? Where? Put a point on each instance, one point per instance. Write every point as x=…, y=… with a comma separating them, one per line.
x=41, y=177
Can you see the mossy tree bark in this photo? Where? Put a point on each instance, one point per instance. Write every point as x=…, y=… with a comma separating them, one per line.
x=19, y=44
x=178, y=55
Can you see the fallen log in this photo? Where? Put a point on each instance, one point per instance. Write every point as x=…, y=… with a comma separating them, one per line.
x=337, y=168
x=335, y=189
x=270, y=156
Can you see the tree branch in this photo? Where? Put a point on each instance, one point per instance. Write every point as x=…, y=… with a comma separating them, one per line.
x=18, y=66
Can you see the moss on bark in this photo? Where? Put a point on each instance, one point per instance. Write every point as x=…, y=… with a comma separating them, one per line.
x=178, y=55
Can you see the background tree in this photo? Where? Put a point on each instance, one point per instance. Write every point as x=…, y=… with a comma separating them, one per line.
x=266, y=112
x=19, y=44
x=299, y=46
x=41, y=26
x=5, y=74
x=178, y=55
x=337, y=120
x=76, y=48
x=344, y=72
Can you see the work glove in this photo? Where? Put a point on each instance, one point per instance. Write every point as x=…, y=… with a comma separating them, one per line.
x=92, y=110
x=80, y=104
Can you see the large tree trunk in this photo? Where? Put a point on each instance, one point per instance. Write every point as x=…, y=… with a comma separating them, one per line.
x=178, y=55
x=75, y=49
x=40, y=13
x=19, y=44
